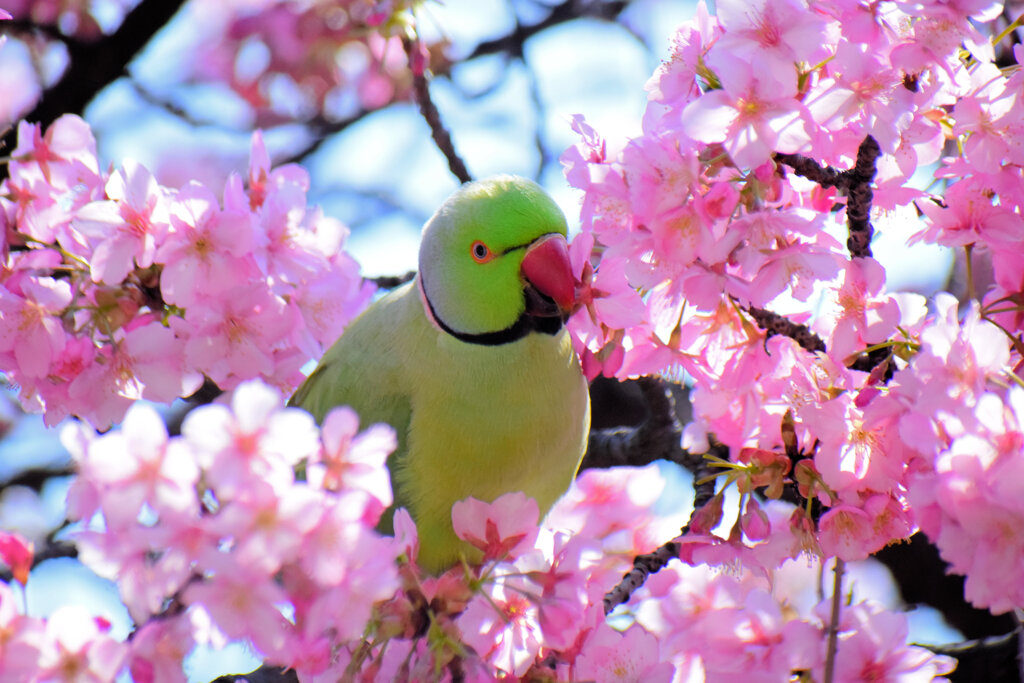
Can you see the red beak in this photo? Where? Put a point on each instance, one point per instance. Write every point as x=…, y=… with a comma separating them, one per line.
x=547, y=269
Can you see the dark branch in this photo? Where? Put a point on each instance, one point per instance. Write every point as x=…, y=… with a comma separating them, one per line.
x=650, y=563
x=264, y=674
x=421, y=90
x=512, y=44
x=656, y=438
x=392, y=281
x=36, y=477
x=95, y=65
x=855, y=183
x=989, y=659
x=773, y=324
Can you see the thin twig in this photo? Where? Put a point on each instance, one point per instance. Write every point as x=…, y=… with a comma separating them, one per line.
x=421, y=90
x=650, y=563
x=569, y=10
x=773, y=324
x=833, y=626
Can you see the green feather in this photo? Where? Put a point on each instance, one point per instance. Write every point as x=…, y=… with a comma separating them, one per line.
x=472, y=419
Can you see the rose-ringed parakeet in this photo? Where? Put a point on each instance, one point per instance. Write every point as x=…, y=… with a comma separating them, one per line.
x=470, y=363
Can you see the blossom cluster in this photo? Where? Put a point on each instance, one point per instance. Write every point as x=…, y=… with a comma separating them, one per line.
x=115, y=288
x=698, y=229
x=212, y=532
x=286, y=60
x=291, y=60
x=212, y=538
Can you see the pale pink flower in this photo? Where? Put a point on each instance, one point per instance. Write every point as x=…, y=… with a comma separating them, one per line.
x=873, y=646
x=205, y=253
x=774, y=34
x=77, y=648
x=969, y=216
x=858, y=312
x=502, y=626
x=991, y=119
x=354, y=568
x=328, y=301
x=145, y=363
x=255, y=439
x=503, y=529
x=142, y=466
x=158, y=649
x=231, y=337
x=267, y=523
x=858, y=450
x=244, y=604
x=66, y=150
x=610, y=656
x=753, y=116
x=29, y=326
x=354, y=462
x=133, y=555
x=21, y=639
x=125, y=229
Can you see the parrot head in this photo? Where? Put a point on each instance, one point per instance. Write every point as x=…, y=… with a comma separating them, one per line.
x=494, y=264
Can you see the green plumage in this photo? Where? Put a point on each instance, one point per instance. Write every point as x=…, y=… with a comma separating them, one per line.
x=473, y=419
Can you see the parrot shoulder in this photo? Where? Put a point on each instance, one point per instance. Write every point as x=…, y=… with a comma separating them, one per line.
x=365, y=368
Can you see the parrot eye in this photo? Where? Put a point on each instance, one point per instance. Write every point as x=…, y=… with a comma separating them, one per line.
x=480, y=252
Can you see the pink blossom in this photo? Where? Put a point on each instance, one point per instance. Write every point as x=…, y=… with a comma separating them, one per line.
x=243, y=604
x=267, y=523
x=858, y=312
x=77, y=648
x=232, y=338
x=752, y=116
x=254, y=439
x=990, y=118
x=609, y=656
x=775, y=34
x=29, y=326
x=21, y=638
x=502, y=529
x=143, y=467
x=873, y=646
x=354, y=568
x=206, y=247
x=16, y=552
x=354, y=462
x=126, y=228
x=970, y=216
x=158, y=649
x=502, y=626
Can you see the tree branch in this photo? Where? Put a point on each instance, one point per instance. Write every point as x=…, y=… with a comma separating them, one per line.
x=773, y=324
x=658, y=437
x=95, y=65
x=653, y=562
x=856, y=183
x=512, y=44
x=421, y=90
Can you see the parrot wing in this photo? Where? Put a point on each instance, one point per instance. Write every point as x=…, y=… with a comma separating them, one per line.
x=365, y=370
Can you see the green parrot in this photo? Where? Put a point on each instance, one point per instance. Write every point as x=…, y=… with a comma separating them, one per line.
x=470, y=363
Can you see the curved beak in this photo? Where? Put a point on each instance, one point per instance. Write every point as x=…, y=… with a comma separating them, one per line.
x=551, y=287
